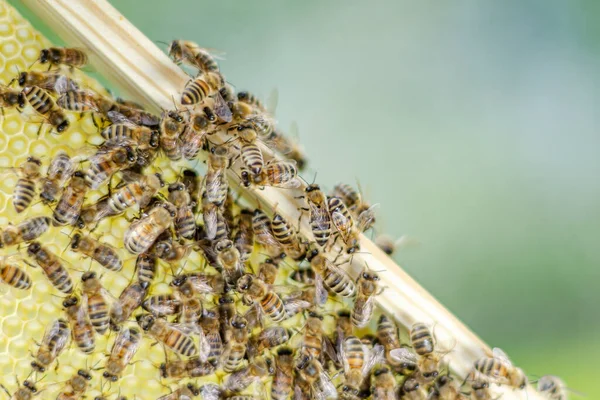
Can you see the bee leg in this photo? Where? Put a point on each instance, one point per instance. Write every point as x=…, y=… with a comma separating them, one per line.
x=57, y=365
x=6, y=390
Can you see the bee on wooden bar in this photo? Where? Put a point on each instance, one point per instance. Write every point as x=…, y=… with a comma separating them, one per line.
x=319, y=216
x=50, y=81
x=427, y=357
x=368, y=286
x=188, y=52
x=500, y=369
x=56, y=56
x=288, y=238
x=54, y=342
x=335, y=279
x=280, y=174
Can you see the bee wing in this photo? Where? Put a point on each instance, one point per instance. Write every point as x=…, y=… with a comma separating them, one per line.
x=321, y=293
x=204, y=345
x=210, y=216
x=60, y=337
x=342, y=224
x=293, y=183
x=272, y=100
x=336, y=269
x=320, y=216
x=63, y=84
x=265, y=236
x=366, y=218
x=403, y=355
x=126, y=344
x=501, y=355
x=88, y=101
x=330, y=350
x=328, y=389
x=293, y=307
x=373, y=357
x=254, y=315
x=211, y=391
x=221, y=108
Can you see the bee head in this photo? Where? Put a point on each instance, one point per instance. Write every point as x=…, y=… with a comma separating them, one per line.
x=176, y=187
x=44, y=56
x=312, y=254
x=70, y=301
x=239, y=322
x=88, y=275
x=75, y=241
x=38, y=367
x=381, y=371
x=154, y=139
x=22, y=78
x=194, y=389
x=109, y=376
x=34, y=248
x=62, y=126
x=179, y=280
x=84, y=374
x=30, y=386
x=245, y=176
x=131, y=156
x=243, y=284
x=145, y=321
x=312, y=187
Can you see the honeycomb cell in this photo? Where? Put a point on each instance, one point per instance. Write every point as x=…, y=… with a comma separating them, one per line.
x=24, y=35
x=31, y=52
x=39, y=148
x=6, y=29
x=14, y=65
x=10, y=47
x=18, y=144
x=18, y=348
x=12, y=326
x=12, y=124
x=28, y=309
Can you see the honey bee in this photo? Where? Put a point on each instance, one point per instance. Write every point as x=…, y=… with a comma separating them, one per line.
x=319, y=217
x=192, y=141
x=480, y=390
x=387, y=244
x=25, y=190
x=368, y=286
x=303, y=275
x=161, y=305
x=283, y=381
x=13, y=275
x=317, y=381
x=384, y=385
x=193, y=184
x=145, y=265
x=350, y=196
x=127, y=132
x=229, y=259
x=52, y=266
x=249, y=98
x=182, y=393
x=244, y=377
x=413, y=390
x=81, y=327
x=210, y=327
x=134, y=193
x=10, y=98
x=103, y=254
x=257, y=291
x=215, y=225
x=343, y=328
x=45, y=105
x=170, y=251
x=94, y=295
x=82, y=100
x=26, y=392
x=268, y=338
x=267, y=271
x=357, y=362
x=215, y=183
x=226, y=310
x=108, y=161
x=55, y=339
x=61, y=168
x=191, y=313
x=280, y=174
x=552, y=387
x=244, y=236
x=314, y=342
x=198, y=283
x=124, y=348
x=185, y=51
x=205, y=85
x=168, y=334
x=50, y=81
x=76, y=386
x=171, y=127
x=185, y=221
x=288, y=238
x=131, y=298
x=70, y=57
x=335, y=279
x=141, y=234
x=287, y=147
x=445, y=388
x=26, y=231
x=426, y=357
x=252, y=158
x=263, y=233
x=387, y=336
x=236, y=348
x=191, y=368
x=500, y=369
x=69, y=205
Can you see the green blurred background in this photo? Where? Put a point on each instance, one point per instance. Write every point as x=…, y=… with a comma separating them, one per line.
x=475, y=125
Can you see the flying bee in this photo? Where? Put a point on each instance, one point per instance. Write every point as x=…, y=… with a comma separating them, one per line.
x=168, y=334
x=68, y=208
x=185, y=221
x=124, y=348
x=335, y=279
x=500, y=369
x=52, y=266
x=134, y=193
x=319, y=217
x=215, y=182
x=55, y=339
x=263, y=233
x=268, y=338
x=45, y=105
x=445, y=388
x=283, y=381
x=171, y=127
x=124, y=132
x=161, y=305
x=13, y=275
x=413, y=390
x=61, y=168
x=426, y=357
x=384, y=384
x=108, y=161
x=368, y=286
x=287, y=237
x=229, y=259
x=25, y=189
x=141, y=234
x=244, y=377
x=56, y=56
x=358, y=362
x=387, y=244
x=10, y=98
x=94, y=295
x=145, y=266
x=50, y=81
x=26, y=231
x=131, y=298
x=182, y=392
x=314, y=343
x=191, y=368
x=81, y=327
x=76, y=386
x=25, y=392
x=317, y=381
x=244, y=236
x=188, y=52
x=236, y=348
x=280, y=174
x=553, y=387
x=102, y=253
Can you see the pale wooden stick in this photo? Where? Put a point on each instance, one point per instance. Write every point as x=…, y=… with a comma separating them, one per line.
x=133, y=62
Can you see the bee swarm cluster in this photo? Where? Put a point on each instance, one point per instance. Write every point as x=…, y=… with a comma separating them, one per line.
x=128, y=273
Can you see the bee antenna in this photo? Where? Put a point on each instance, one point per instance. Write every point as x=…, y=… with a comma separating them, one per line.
x=161, y=42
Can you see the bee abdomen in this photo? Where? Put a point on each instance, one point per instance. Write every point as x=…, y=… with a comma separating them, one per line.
x=215, y=345
x=59, y=276
x=185, y=224
x=339, y=284
x=24, y=194
x=273, y=306
x=182, y=344
x=146, y=267
x=235, y=358
x=108, y=258
x=252, y=157
x=84, y=338
x=15, y=277
x=421, y=339
x=98, y=311
x=39, y=99
x=195, y=92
